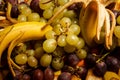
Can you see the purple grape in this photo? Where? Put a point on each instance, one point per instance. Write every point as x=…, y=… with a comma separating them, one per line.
x=72, y=60
x=34, y=5
x=48, y=74
x=82, y=72
x=100, y=69
x=37, y=74
x=90, y=60
x=113, y=64
x=64, y=76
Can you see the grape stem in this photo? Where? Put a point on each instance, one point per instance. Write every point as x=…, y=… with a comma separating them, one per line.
x=102, y=57
x=61, y=10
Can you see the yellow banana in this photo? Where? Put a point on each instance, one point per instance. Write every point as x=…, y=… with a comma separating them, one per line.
x=30, y=31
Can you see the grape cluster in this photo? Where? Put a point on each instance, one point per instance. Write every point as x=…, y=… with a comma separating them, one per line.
x=63, y=47
x=26, y=14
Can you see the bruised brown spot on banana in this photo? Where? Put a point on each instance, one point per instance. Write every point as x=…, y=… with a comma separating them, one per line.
x=92, y=18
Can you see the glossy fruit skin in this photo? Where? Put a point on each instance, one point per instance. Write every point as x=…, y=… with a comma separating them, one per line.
x=113, y=64
x=26, y=77
x=100, y=69
x=49, y=74
x=82, y=72
x=37, y=75
x=14, y=11
x=64, y=76
x=57, y=63
x=72, y=59
x=34, y=5
x=90, y=60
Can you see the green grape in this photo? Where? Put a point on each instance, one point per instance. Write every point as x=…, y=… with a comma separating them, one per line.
x=57, y=29
x=39, y=52
x=75, y=21
x=62, y=2
x=58, y=52
x=42, y=19
x=117, y=31
x=45, y=6
x=22, y=7
x=30, y=52
x=22, y=18
x=70, y=14
x=118, y=19
x=38, y=44
x=45, y=60
x=57, y=63
x=81, y=53
x=61, y=14
x=74, y=29
x=72, y=39
x=26, y=11
x=49, y=45
x=33, y=17
x=20, y=48
x=47, y=13
x=65, y=22
x=32, y=61
x=50, y=35
x=21, y=58
x=62, y=40
x=69, y=48
x=81, y=43
x=55, y=22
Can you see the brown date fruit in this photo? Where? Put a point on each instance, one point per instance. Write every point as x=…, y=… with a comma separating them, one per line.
x=48, y=74
x=65, y=76
x=37, y=75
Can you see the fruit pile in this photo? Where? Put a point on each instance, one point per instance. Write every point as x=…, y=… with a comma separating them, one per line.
x=38, y=42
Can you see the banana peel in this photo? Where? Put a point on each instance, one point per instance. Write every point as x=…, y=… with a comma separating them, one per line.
x=91, y=20
x=88, y=22
x=30, y=30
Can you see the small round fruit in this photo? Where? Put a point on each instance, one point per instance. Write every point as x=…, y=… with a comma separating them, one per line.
x=64, y=76
x=21, y=59
x=37, y=74
x=49, y=45
x=32, y=61
x=57, y=63
x=45, y=60
x=81, y=54
x=33, y=17
x=49, y=74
